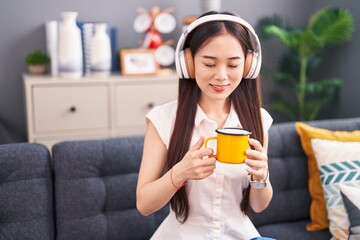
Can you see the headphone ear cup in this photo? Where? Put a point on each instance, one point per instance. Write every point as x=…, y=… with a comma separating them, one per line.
x=189, y=62
x=248, y=65
x=182, y=66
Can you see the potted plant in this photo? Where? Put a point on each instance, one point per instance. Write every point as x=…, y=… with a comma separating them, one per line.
x=37, y=61
x=326, y=27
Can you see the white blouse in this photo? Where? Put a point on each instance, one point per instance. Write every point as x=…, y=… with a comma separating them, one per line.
x=214, y=201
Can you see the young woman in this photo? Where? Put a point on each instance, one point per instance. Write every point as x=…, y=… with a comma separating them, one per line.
x=218, y=60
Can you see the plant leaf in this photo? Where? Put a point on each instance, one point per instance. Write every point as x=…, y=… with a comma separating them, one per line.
x=312, y=109
x=284, y=105
x=331, y=26
x=314, y=63
x=289, y=37
x=323, y=87
x=284, y=78
x=285, y=108
x=275, y=20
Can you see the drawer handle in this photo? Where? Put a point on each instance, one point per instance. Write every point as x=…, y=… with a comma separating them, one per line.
x=72, y=109
x=150, y=105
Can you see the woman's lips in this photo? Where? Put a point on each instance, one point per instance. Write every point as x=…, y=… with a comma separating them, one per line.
x=219, y=88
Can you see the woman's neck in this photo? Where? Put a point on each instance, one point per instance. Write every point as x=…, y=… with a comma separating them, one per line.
x=216, y=110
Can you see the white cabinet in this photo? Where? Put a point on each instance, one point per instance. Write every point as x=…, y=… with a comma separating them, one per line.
x=134, y=100
x=70, y=107
x=60, y=109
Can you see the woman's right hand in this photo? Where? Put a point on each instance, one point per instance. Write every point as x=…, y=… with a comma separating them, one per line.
x=155, y=189
x=193, y=165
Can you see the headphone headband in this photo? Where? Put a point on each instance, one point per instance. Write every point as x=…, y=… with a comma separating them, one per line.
x=218, y=17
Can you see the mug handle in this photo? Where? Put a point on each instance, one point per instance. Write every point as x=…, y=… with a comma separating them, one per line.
x=206, y=142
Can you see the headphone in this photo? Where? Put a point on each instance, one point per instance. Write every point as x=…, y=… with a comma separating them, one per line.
x=184, y=60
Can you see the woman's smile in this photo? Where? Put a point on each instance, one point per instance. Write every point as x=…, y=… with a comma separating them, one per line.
x=219, y=88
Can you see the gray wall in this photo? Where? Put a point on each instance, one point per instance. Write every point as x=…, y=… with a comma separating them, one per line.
x=22, y=30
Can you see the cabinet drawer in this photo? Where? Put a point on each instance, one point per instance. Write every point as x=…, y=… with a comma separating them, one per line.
x=59, y=108
x=132, y=102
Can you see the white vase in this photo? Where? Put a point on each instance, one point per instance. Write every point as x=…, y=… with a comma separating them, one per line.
x=70, y=47
x=52, y=30
x=210, y=5
x=100, y=51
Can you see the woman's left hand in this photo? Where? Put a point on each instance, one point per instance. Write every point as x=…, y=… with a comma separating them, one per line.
x=257, y=160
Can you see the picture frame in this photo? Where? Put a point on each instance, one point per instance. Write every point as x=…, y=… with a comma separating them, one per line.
x=138, y=61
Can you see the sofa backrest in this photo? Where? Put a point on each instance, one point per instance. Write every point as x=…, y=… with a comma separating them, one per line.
x=26, y=192
x=95, y=189
x=95, y=183
x=289, y=171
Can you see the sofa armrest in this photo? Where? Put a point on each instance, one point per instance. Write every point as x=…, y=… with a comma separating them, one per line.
x=26, y=192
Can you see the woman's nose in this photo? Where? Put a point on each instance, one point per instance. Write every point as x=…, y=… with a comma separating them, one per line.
x=221, y=73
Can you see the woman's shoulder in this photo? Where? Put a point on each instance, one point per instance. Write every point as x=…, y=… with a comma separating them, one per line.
x=265, y=113
x=266, y=118
x=164, y=110
x=163, y=118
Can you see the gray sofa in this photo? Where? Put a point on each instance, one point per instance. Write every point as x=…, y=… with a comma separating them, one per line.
x=26, y=192
x=86, y=190
x=95, y=185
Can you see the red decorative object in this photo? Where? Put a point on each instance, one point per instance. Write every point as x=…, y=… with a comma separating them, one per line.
x=153, y=23
x=152, y=39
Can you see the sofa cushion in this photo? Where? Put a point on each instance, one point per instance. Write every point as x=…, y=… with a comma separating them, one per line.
x=95, y=189
x=289, y=174
x=339, y=164
x=350, y=197
x=26, y=193
x=322, y=130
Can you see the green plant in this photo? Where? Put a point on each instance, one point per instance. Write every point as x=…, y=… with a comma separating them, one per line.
x=326, y=27
x=37, y=57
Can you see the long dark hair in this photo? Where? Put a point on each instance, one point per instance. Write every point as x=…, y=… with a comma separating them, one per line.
x=246, y=99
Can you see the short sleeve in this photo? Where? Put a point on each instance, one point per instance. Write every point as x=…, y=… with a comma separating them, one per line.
x=267, y=120
x=163, y=118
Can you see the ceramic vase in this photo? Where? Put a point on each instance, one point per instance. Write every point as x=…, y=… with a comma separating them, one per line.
x=70, y=47
x=210, y=5
x=100, y=51
x=51, y=30
x=88, y=32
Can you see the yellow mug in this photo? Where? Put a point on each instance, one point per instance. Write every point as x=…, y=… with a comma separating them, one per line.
x=231, y=145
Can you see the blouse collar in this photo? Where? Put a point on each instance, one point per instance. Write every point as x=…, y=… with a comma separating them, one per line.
x=231, y=121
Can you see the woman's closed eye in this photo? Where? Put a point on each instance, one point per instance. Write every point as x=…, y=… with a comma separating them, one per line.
x=234, y=66
x=210, y=65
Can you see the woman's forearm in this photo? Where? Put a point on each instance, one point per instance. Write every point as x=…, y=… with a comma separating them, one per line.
x=154, y=195
x=260, y=198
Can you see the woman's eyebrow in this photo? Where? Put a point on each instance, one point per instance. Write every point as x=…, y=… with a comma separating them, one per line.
x=212, y=57
x=208, y=57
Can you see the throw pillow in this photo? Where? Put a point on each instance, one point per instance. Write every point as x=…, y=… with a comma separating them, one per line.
x=339, y=164
x=318, y=211
x=351, y=199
